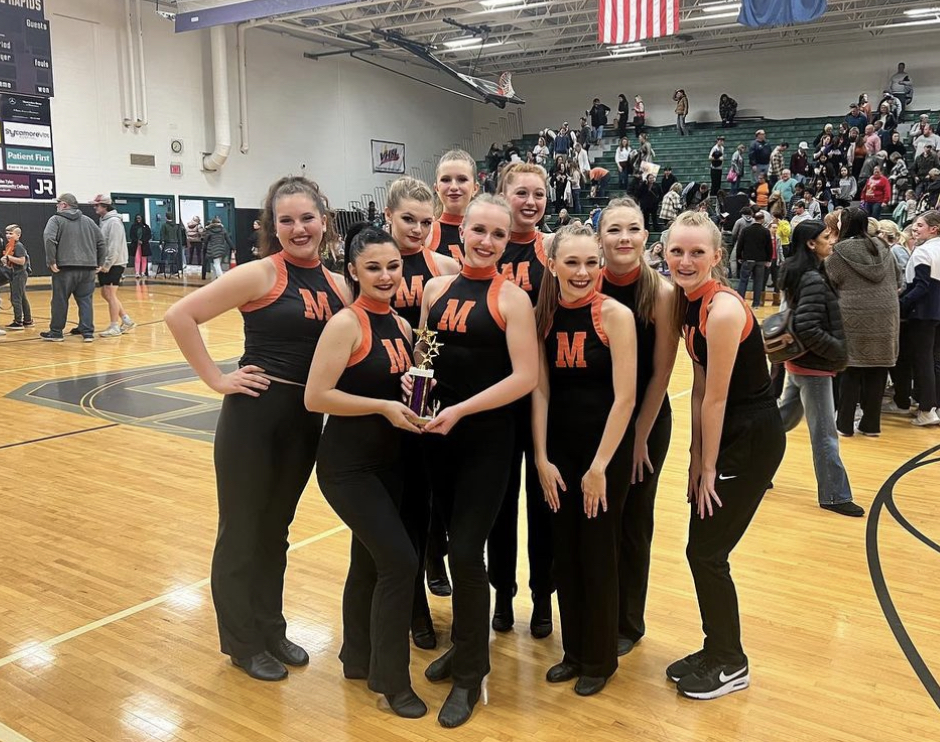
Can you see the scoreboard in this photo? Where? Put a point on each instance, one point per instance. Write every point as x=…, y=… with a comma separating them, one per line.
x=25, y=48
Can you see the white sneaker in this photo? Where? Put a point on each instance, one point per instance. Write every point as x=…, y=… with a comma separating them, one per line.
x=888, y=407
x=112, y=332
x=924, y=419
x=128, y=324
x=3, y=332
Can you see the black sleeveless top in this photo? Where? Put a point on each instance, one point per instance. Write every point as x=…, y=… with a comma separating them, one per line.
x=580, y=371
x=466, y=317
x=445, y=236
x=750, y=377
x=523, y=263
x=364, y=442
x=417, y=269
x=624, y=289
x=283, y=327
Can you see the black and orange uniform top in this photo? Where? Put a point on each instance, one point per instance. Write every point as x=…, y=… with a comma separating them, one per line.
x=283, y=327
x=418, y=268
x=750, y=377
x=581, y=383
x=374, y=370
x=623, y=289
x=474, y=355
x=523, y=263
x=445, y=236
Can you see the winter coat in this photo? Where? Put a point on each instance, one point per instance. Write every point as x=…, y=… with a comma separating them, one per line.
x=759, y=153
x=115, y=238
x=72, y=240
x=682, y=105
x=218, y=242
x=921, y=298
x=195, y=231
x=755, y=244
x=172, y=233
x=817, y=322
x=867, y=286
x=143, y=234
x=799, y=164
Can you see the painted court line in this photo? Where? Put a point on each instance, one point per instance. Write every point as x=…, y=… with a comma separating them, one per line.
x=32, y=649
x=8, y=735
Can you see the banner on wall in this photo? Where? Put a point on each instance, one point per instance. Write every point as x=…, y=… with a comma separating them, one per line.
x=388, y=157
x=25, y=48
x=27, y=167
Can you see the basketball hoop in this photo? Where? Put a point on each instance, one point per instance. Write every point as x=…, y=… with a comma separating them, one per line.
x=505, y=85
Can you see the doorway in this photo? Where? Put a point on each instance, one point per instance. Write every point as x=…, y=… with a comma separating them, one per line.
x=206, y=209
x=153, y=208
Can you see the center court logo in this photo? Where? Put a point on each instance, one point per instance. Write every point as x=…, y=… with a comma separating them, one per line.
x=27, y=135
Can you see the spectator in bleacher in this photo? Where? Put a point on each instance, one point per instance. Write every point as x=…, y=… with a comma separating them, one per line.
x=647, y=153
x=917, y=128
x=827, y=131
x=576, y=179
x=760, y=191
x=871, y=140
x=848, y=188
x=649, y=198
x=889, y=121
x=894, y=104
x=493, y=158
x=798, y=190
x=563, y=219
x=669, y=180
x=541, y=153
x=623, y=115
x=598, y=114
x=895, y=144
x=563, y=141
x=785, y=186
x=737, y=167
x=927, y=137
x=813, y=207
x=855, y=117
x=836, y=152
x=799, y=214
x=727, y=110
x=682, y=110
x=759, y=154
x=625, y=158
x=856, y=153
x=864, y=106
x=716, y=159
x=923, y=164
x=930, y=198
x=561, y=189
x=880, y=132
x=825, y=171
x=871, y=162
x=672, y=205
x=639, y=115
x=585, y=133
x=898, y=176
x=755, y=253
x=901, y=85
x=581, y=156
x=799, y=163
x=530, y=158
x=600, y=177
x=892, y=236
x=512, y=153
x=864, y=275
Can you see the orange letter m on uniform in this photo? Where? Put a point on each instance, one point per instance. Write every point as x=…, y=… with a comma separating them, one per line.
x=397, y=355
x=455, y=319
x=318, y=308
x=571, y=354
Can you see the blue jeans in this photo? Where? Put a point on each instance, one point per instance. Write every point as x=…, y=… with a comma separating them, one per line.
x=813, y=395
x=599, y=132
x=874, y=210
x=680, y=124
x=624, y=179
x=759, y=271
x=576, y=200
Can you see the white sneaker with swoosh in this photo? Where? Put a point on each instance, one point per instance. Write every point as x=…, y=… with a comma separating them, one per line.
x=715, y=680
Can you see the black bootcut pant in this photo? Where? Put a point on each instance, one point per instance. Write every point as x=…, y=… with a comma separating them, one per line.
x=637, y=534
x=865, y=386
x=469, y=469
x=416, y=516
x=752, y=446
x=265, y=449
x=918, y=362
x=503, y=543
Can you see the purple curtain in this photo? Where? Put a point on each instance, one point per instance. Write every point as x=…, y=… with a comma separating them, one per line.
x=758, y=13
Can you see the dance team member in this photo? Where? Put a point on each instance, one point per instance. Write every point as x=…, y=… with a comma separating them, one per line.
x=456, y=184
x=629, y=279
x=580, y=413
x=525, y=187
x=355, y=379
x=488, y=360
x=737, y=445
x=409, y=212
x=265, y=441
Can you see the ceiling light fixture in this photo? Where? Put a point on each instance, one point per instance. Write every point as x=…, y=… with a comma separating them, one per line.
x=923, y=22
x=507, y=8
x=922, y=11
x=719, y=7
x=716, y=16
x=496, y=3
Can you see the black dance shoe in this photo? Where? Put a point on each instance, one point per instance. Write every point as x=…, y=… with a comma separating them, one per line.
x=289, y=653
x=406, y=704
x=440, y=669
x=541, y=622
x=355, y=673
x=422, y=633
x=587, y=686
x=625, y=645
x=261, y=666
x=438, y=583
x=561, y=673
x=458, y=707
x=503, y=618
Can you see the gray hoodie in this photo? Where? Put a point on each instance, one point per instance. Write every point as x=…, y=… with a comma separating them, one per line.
x=112, y=227
x=72, y=240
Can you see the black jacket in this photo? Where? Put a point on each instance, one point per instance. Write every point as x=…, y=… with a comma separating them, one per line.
x=754, y=243
x=598, y=114
x=818, y=324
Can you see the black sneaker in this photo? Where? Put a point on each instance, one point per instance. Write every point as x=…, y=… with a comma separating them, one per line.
x=686, y=666
x=16, y=326
x=845, y=508
x=714, y=681
x=28, y=323
x=52, y=337
x=75, y=331
x=89, y=338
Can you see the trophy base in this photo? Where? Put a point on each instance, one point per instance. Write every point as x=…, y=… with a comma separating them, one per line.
x=422, y=421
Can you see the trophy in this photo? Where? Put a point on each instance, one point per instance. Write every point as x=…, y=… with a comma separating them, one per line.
x=422, y=376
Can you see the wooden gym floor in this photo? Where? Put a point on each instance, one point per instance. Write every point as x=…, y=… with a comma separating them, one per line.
x=107, y=632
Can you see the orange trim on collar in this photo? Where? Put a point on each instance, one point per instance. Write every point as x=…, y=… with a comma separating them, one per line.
x=627, y=279
x=523, y=238
x=478, y=274
x=582, y=302
x=709, y=286
x=454, y=220
x=372, y=305
x=300, y=262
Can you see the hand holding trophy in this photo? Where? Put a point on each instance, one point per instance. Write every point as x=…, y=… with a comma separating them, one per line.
x=422, y=376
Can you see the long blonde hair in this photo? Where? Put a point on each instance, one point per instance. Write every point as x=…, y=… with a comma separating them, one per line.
x=453, y=155
x=695, y=220
x=550, y=291
x=648, y=284
x=407, y=188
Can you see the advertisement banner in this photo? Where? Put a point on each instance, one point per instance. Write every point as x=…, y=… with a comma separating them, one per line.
x=22, y=109
x=14, y=185
x=20, y=160
x=388, y=157
x=27, y=135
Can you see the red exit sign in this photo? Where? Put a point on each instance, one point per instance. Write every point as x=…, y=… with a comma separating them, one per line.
x=176, y=168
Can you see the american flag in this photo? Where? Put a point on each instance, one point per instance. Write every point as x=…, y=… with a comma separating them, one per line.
x=623, y=21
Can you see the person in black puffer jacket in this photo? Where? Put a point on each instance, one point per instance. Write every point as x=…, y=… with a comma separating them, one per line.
x=218, y=246
x=818, y=324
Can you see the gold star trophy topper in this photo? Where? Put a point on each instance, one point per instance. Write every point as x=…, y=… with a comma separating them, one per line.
x=422, y=374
